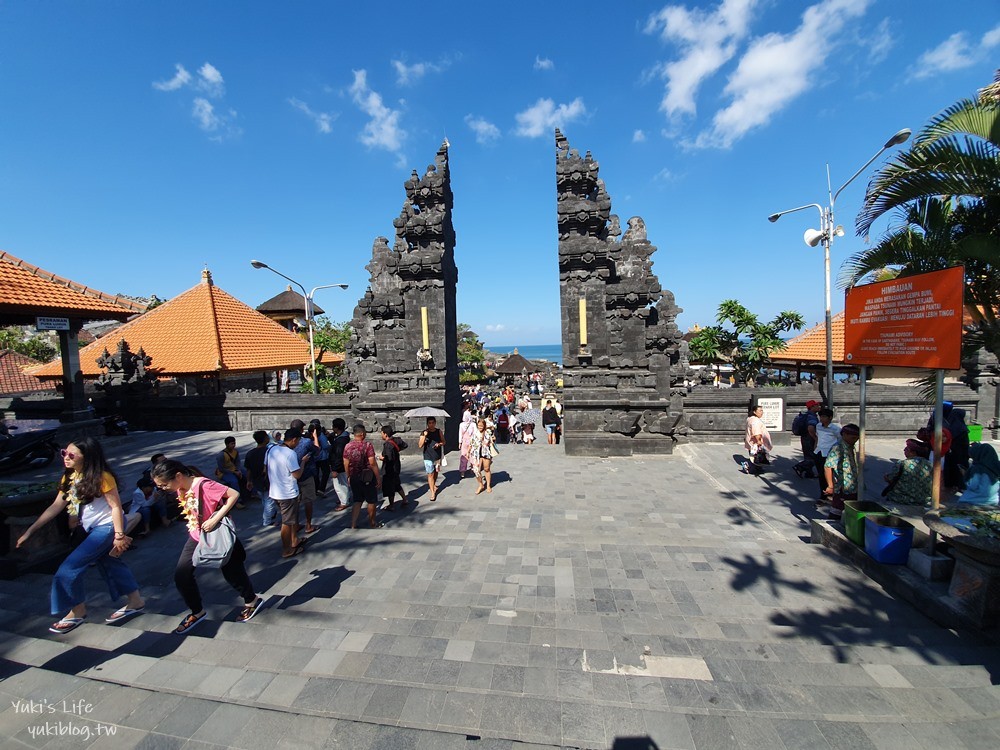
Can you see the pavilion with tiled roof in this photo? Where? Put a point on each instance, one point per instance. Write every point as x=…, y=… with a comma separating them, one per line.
x=286, y=307
x=807, y=351
x=28, y=293
x=13, y=378
x=203, y=332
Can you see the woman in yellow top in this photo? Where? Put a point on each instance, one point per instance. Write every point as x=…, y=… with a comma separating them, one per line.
x=89, y=492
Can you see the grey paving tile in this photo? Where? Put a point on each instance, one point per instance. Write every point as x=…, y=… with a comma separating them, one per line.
x=710, y=732
x=386, y=703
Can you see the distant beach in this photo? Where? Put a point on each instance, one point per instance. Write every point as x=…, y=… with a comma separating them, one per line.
x=548, y=352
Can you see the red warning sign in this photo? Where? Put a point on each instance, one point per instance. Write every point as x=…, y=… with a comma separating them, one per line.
x=914, y=321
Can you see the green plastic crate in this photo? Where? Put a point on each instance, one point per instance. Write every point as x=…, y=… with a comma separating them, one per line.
x=854, y=518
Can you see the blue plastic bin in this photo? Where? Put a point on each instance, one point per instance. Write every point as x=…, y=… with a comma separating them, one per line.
x=888, y=539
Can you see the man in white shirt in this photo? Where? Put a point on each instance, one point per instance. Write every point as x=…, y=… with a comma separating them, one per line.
x=827, y=436
x=283, y=472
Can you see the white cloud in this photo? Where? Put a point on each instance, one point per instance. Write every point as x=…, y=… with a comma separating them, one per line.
x=486, y=132
x=955, y=53
x=407, y=74
x=880, y=43
x=496, y=327
x=543, y=63
x=776, y=69
x=638, y=136
x=383, y=130
x=323, y=120
x=707, y=41
x=218, y=124
x=210, y=81
x=541, y=118
x=204, y=114
x=991, y=38
x=181, y=78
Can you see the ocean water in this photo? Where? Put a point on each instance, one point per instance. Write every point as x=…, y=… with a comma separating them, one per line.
x=548, y=352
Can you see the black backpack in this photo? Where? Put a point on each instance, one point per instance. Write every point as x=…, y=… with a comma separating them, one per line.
x=800, y=425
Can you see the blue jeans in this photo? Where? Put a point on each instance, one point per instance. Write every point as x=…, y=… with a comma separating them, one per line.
x=229, y=479
x=67, y=584
x=270, y=511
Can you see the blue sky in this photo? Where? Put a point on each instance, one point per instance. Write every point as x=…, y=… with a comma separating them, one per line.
x=141, y=141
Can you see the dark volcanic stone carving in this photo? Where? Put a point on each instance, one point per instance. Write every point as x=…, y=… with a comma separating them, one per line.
x=624, y=382
x=386, y=360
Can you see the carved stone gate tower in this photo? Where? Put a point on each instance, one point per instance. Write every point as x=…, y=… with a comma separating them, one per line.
x=622, y=350
x=404, y=344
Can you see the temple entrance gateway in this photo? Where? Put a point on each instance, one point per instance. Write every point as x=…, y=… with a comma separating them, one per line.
x=403, y=351
x=624, y=359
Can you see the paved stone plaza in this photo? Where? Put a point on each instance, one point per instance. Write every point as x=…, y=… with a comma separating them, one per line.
x=667, y=602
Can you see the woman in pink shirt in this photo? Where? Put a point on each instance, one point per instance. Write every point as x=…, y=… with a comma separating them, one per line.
x=204, y=503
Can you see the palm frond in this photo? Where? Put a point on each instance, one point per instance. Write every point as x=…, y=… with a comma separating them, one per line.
x=967, y=168
x=965, y=117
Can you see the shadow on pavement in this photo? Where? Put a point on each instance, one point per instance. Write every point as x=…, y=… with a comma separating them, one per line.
x=324, y=585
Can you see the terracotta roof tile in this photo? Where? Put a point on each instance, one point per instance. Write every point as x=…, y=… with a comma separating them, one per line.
x=13, y=378
x=810, y=346
x=28, y=289
x=202, y=331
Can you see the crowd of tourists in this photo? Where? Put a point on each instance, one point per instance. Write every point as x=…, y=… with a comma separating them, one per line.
x=286, y=471
x=970, y=472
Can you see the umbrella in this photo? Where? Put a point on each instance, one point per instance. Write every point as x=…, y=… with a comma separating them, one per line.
x=427, y=411
x=530, y=416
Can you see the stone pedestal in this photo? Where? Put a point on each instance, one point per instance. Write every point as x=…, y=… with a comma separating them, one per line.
x=975, y=590
x=930, y=567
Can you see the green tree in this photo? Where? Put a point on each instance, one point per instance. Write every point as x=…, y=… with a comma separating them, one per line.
x=956, y=154
x=329, y=336
x=742, y=340
x=36, y=347
x=470, y=348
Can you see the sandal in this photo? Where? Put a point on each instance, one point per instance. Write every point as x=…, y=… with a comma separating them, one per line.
x=249, y=610
x=123, y=614
x=66, y=624
x=189, y=622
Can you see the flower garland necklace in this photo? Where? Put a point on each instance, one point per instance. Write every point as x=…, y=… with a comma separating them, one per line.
x=189, y=508
x=72, y=499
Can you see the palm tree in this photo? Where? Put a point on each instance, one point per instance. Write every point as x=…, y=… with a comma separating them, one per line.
x=956, y=154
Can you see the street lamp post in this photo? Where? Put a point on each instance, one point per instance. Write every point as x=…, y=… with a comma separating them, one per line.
x=825, y=234
x=309, y=313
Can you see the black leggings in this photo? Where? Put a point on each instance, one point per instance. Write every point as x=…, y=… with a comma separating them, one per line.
x=233, y=571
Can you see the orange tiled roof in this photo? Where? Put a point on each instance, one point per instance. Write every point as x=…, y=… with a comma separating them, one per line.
x=13, y=378
x=29, y=290
x=810, y=346
x=202, y=331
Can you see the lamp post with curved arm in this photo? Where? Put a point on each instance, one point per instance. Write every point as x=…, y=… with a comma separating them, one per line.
x=825, y=234
x=309, y=313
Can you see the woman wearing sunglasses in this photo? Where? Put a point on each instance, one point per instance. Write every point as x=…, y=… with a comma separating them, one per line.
x=89, y=493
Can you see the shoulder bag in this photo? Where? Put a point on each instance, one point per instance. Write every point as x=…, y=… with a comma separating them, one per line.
x=214, y=547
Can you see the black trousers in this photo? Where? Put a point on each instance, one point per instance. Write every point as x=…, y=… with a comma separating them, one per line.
x=233, y=571
x=820, y=461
